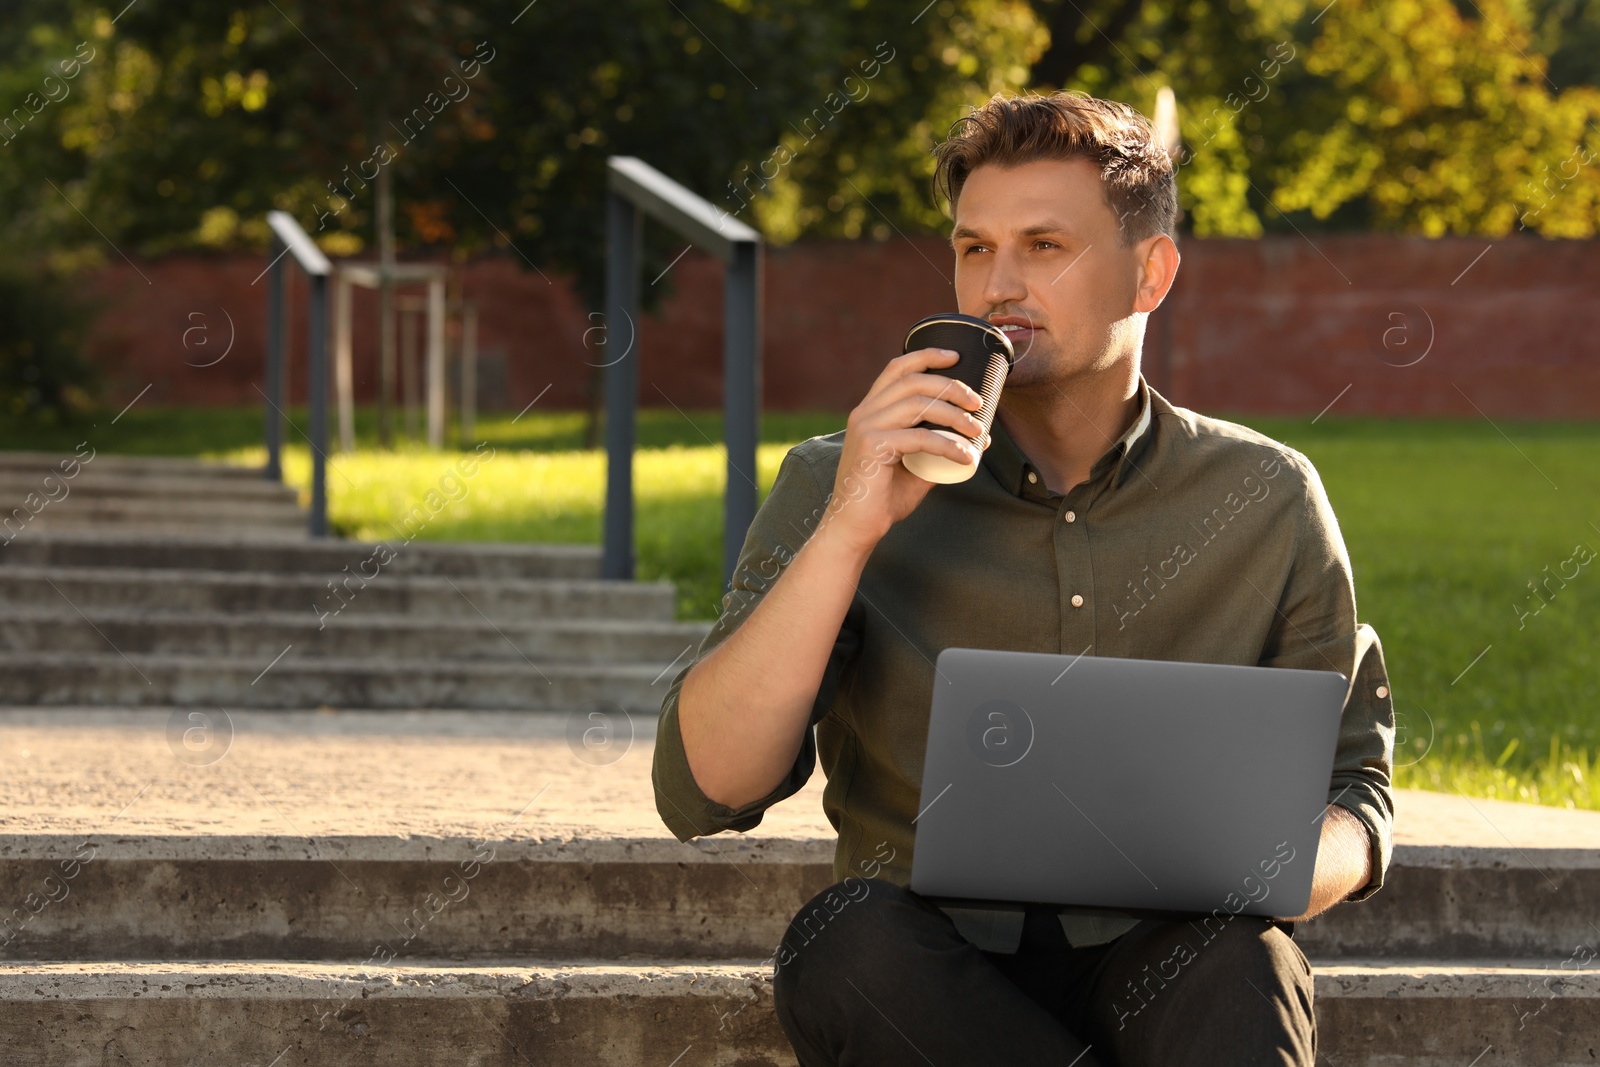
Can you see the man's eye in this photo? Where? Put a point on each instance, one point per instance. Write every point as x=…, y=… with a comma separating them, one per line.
x=974, y=248
x=1047, y=244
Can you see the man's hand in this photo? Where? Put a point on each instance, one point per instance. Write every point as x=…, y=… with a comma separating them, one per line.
x=1344, y=862
x=873, y=490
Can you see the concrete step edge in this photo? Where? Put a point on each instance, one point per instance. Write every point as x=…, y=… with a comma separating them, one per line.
x=112, y=489
x=322, y=665
x=276, y=979
x=176, y=576
x=545, y=845
x=433, y=977
x=303, y=620
x=468, y=548
x=168, y=512
x=591, y=845
x=49, y=463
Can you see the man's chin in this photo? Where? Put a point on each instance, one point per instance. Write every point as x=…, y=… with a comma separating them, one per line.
x=1035, y=366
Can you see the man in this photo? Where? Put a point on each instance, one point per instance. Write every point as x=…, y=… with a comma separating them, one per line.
x=1102, y=520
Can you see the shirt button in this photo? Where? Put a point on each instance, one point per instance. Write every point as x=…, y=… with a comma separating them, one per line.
x=1383, y=691
x=1077, y=601
x=1032, y=478
x=1071, y=516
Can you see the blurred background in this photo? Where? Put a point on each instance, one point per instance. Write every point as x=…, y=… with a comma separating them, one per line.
x=1390, y=264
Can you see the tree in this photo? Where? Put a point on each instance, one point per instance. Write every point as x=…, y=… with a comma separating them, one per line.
x=1438, y=123
x=799, y=116
x=1407, y=116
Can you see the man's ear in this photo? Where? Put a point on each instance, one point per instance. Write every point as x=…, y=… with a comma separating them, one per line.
x=1158, y=266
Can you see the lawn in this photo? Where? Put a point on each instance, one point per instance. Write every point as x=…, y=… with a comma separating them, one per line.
x=1450, y=526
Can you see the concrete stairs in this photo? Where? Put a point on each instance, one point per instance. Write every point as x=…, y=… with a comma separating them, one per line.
x=429, y=887
x=240, y=622
x=233, y=828
x=47, y=493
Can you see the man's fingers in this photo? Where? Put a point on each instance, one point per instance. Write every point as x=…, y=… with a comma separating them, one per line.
x=914, y=409
x=926, y=388
x=913, y=439
x=912, y=362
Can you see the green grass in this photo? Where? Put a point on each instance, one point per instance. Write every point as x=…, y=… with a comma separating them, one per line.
x=1446, y=521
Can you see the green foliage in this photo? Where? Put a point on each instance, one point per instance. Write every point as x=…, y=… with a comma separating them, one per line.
x=820, y=113
x=43, y=374
x=802, y=117
x=190, y=124
x=1421, y=116
x=1568, y=31
x=1444, y=124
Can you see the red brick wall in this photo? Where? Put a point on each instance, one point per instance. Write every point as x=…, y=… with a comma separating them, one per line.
x=1282, y=326
x=1270, y=326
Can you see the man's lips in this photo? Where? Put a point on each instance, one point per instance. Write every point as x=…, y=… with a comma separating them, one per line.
x=1019, y=331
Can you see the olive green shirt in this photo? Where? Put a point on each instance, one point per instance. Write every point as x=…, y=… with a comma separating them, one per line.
x=1192, y=539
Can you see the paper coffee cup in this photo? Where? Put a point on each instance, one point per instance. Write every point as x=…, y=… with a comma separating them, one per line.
x=985, y=358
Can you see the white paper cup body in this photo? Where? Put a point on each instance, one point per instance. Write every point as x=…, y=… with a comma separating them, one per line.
x=938, y=468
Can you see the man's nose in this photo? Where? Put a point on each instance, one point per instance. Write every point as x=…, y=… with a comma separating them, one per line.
x=1005, y=283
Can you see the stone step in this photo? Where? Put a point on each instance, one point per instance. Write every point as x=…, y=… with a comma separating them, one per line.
x=93, y=484
x=399, y=1010
x=127, y=896
x=89, y=589
x=245, y=530
x=53, y=678
x=323, y=558
x=1453, y=901
x=350, y=636
x=124, y=466
x=1494, y=1012
x=394, y=797
x=201, y=512
x=604, y=895
x=403, y=1014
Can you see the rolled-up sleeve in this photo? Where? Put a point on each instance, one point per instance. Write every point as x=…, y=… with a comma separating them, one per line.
x=1363, y=765
x=1317, y=629
x=782, y=525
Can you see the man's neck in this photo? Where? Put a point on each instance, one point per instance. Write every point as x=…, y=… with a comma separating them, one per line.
x=1064, y=427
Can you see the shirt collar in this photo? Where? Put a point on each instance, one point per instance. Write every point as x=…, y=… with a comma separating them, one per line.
x=1011, y=466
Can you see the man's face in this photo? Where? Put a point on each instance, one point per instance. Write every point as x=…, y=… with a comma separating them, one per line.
x=1036, y=245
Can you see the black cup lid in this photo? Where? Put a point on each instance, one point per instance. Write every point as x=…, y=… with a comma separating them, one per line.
x=955, y=318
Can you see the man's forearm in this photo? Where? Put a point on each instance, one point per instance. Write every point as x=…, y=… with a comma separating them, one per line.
x=1344, y=861
x=744, y=709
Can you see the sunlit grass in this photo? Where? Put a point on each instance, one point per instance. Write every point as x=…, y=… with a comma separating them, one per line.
x=1564, y=777
x=525, y=496
x=1447, y=524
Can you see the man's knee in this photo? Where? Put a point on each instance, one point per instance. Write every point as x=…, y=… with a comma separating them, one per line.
x=1250, y=978
x=1185, y=978
x=1253, y=949
x=853, y=927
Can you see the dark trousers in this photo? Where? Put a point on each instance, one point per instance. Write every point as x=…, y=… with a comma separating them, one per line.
x=885, y=979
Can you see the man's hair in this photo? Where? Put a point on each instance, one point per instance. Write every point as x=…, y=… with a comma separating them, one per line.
x=1136, y=174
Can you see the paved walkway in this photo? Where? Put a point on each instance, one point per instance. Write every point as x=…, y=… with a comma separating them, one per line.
x=455, y=774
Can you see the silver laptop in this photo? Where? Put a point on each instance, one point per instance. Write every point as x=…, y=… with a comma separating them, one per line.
x=1137, y=785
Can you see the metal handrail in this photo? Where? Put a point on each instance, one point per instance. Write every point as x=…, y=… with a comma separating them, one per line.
x=636, y=189
x=288, y=238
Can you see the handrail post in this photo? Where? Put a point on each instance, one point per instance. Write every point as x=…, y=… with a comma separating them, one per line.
x=288, y=238
x=274, y=409
x=635, y=189
x=624, y=233
x=741, y=391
